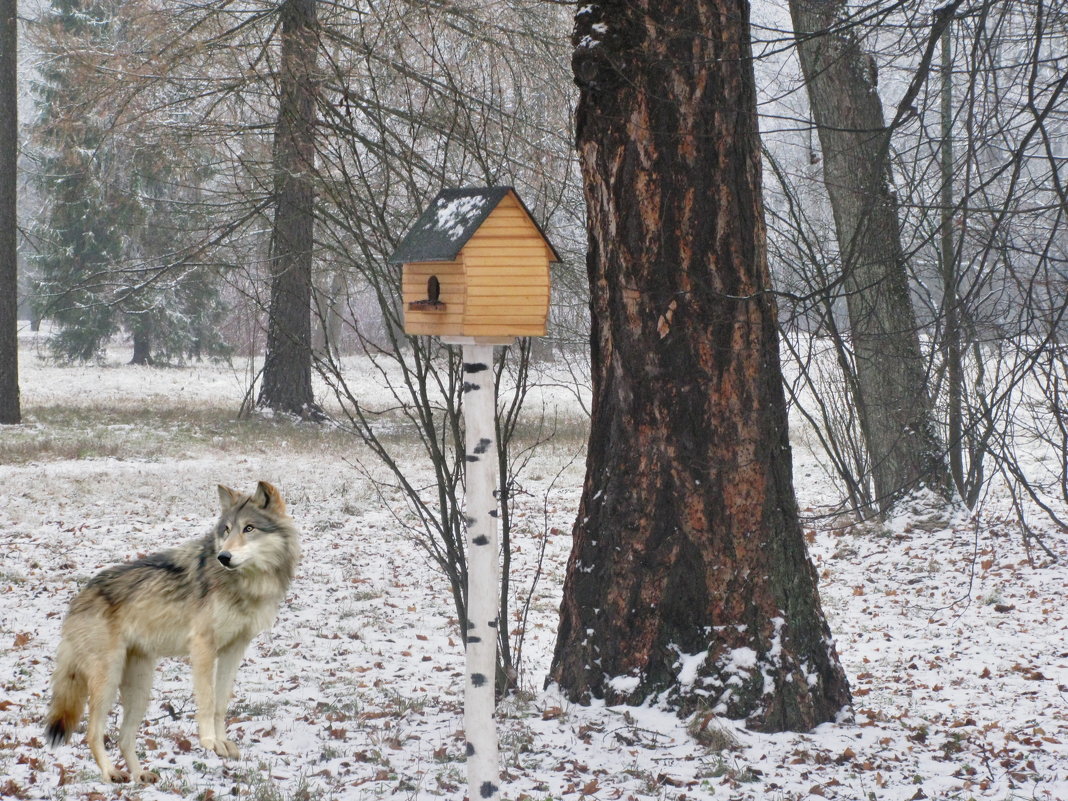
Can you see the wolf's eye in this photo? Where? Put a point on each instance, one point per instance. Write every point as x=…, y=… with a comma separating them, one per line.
x=248, y=528
x=227, y=529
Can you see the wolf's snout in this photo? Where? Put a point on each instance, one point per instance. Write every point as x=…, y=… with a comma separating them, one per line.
x=225, y=558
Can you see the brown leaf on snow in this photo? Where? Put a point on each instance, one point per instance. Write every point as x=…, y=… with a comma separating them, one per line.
x=10, y=788
x=846, y=756
x=1030, y=673
x=985, y=674
x=591, y=787
x=552, y=713
x=22, y=638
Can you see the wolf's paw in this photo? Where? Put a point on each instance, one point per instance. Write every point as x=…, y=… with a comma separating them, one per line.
x=226, y=749
x=147, y=777
x=117, y=776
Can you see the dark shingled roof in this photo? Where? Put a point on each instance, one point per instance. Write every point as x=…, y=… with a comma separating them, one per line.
x=449, y=221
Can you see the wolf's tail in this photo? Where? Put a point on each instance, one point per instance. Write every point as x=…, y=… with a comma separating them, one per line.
x=69, y=692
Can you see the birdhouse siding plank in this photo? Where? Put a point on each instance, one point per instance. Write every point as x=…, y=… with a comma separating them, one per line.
x=503, y=319
x=506, y=294
x=480, y=273
x=506, y=249
x=495, y=329
x=504, y=229
x=435, y=328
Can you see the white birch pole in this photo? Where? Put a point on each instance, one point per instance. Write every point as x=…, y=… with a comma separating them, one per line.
x=483, y=572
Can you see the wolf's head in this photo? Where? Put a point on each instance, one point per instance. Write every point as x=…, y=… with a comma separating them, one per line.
x=254, y=531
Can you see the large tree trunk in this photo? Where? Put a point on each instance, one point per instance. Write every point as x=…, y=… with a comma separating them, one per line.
x=141, y=333
x=892, y=399
x=10, y=411
x=688, y=577
x=287, y=367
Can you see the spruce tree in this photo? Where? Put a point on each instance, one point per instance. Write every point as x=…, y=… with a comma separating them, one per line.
x=79, y=238
x=122, y=219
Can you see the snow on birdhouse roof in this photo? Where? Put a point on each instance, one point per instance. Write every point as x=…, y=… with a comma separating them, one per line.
x=450, y=220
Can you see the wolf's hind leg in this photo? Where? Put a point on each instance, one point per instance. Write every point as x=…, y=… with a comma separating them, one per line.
x=226, y=670
x=134, y=691
x=104, y=678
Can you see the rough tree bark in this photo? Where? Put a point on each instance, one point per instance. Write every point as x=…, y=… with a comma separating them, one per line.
x=688, y=577
x=10, y=410
x=892, y=400
x=286, y=383
x=141, y=334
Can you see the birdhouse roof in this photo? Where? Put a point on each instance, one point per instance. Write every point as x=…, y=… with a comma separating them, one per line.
x=450, y=220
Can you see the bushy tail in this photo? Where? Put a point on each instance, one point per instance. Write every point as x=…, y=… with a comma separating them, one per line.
x=69, y=693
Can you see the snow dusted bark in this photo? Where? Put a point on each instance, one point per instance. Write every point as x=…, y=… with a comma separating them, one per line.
x=10, y=411
x=483, y=572
x=891, y=396
x=688, y=579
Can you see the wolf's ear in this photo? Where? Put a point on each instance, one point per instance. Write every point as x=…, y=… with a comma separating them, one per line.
x=267, y=497
x=227, y=497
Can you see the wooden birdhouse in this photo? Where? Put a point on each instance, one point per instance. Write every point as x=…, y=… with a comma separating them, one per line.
x=475, y=264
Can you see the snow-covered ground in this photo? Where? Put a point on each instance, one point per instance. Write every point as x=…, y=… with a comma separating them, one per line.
x=955, y=641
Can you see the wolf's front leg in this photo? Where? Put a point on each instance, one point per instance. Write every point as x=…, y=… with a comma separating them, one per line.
x=226, y=670
x=202, y=656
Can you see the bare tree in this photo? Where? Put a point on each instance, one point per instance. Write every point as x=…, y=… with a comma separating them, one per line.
x=687, y=550
x=891, y=394
x=287, y=366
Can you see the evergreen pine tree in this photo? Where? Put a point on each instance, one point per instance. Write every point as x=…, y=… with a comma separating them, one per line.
x=121, y=222
x=78, y=238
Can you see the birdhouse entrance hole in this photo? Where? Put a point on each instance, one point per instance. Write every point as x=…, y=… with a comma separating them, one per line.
x=433, y=294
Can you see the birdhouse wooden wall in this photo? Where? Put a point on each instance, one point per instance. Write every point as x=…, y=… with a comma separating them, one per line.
x=421, y=314
x=476, y=264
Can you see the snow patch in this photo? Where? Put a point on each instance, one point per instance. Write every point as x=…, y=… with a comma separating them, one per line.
x=624, y=685
x=688, y=665
x=452, y=217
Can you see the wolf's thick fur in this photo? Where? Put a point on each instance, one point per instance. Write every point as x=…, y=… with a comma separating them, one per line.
x=206, y=599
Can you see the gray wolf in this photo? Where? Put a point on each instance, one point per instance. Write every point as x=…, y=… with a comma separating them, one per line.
x=205, y=599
